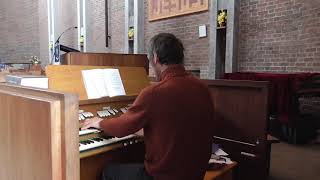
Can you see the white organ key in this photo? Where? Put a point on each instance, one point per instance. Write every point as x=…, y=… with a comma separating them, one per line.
x=111, y=111
x=87, y=114
x=90, y=114
x=84, y=114
x=123, y=110
x=107, y=113
x=115, y=110
x=106, y=108
x=103, y=113
x=88, y=131
x=100, y=114
x=81, y=117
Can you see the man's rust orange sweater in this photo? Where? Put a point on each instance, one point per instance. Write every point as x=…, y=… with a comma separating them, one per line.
x=177, y=117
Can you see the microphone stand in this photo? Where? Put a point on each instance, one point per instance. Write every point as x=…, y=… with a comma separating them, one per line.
x=56, y=53
x=58, y=40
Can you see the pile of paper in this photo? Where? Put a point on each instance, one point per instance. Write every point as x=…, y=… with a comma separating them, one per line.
x=102, y=82
x=28, y=80
x=218, y=156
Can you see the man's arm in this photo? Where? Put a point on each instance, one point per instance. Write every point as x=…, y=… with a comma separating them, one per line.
x=128, y=123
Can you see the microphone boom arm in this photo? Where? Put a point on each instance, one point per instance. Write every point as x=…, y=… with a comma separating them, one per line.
x=74, y=27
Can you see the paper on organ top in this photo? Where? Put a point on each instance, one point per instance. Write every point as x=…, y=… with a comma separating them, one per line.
x=113, y=82
x=102, y=82
x=91, y=80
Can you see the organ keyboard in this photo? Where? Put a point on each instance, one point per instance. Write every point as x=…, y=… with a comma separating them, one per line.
x=93, y=141
x=99, y=142
x=97, y=147
x=93, y=138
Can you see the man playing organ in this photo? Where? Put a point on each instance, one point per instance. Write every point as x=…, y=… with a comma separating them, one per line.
x=175, y=115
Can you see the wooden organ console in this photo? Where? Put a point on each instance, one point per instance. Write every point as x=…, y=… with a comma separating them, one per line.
x=40, y=128
x=97, y=148
x=40, y=136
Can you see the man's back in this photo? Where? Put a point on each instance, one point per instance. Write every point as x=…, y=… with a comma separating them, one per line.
x=178, y=134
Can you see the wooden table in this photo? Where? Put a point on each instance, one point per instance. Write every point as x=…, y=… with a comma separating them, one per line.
x=223, y=173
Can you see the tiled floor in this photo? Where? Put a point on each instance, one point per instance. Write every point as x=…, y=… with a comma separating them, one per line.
x=295, y=162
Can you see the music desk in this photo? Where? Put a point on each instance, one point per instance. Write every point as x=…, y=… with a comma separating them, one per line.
x=223, y=173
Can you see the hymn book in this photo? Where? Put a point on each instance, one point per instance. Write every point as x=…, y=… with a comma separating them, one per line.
x=102, y=82
x=28, y=80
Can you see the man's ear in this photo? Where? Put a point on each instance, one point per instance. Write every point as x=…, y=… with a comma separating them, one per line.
x=155, y=58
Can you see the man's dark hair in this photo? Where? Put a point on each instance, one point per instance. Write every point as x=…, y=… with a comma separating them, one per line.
x=168, y=48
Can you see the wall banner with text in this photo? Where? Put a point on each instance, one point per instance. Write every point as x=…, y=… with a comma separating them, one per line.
x=160, y=9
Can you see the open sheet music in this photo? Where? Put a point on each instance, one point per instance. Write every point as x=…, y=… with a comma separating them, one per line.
x=102, y=82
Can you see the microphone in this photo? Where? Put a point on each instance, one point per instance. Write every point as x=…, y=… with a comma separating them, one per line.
x=74, y=27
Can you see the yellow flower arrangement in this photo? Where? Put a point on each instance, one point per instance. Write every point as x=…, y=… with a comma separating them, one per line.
x=50, y=45
x=222, y=18
x=35, y=60
x=81, y=40
x=131, y=33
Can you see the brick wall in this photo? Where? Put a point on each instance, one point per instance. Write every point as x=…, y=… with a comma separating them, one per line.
x=68, y=18
x=96, y=29
x=274, y=35
x=43, y=32
x=279, y=36
x=19, y=30
x=96, y=39
x=24, y=28
x=116, y=25
x=3, y=31
x=186, y=29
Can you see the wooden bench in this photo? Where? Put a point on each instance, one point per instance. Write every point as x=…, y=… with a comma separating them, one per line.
x=223, y=173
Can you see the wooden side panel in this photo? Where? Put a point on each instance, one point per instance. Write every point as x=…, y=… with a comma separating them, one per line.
x=241, y=116
x=70, y=137
x=106, y=59
x=30, y=134
x=68, y=78
x=247, y=122
x=63, y=129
